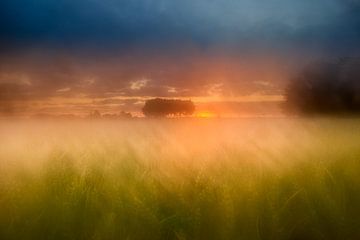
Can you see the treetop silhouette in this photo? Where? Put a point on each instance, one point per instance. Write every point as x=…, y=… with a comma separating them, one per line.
x=326, y=88
x=159, y=107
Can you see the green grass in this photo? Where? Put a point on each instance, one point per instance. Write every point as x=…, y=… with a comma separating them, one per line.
x=180, y=179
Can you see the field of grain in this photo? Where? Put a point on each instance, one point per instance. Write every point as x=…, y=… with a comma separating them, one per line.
x=180, y=179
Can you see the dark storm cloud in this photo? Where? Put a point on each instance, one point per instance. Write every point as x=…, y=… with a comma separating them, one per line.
x=120, y=23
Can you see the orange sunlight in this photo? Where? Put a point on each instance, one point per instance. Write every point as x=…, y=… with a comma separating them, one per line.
x=206, y=114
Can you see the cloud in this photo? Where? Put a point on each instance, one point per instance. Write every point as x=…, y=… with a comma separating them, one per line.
x=62, y=90
x=187, y=73
x=138, y=84
x=110, y=24
x=92, y=49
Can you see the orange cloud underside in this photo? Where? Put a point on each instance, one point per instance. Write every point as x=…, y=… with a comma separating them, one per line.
x=126, y=82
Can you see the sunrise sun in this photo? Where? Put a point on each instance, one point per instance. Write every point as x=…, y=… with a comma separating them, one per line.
x=206, y=114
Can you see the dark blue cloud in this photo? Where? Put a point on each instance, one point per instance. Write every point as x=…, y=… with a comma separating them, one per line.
x=109, y=24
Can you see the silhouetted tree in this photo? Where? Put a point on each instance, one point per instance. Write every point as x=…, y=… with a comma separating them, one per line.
x=124, y=114
x=159, y=107
x=326, y=88
x=95, y=114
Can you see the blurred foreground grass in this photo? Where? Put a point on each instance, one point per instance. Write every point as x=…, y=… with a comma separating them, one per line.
x=180, y=179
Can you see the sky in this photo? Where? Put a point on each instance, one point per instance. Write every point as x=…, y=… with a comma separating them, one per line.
x=232, y=57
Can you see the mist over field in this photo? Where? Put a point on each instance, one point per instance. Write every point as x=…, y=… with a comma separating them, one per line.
x=179, y=119
x=180, y=179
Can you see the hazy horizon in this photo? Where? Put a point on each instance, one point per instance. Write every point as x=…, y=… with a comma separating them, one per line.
x=230, y=57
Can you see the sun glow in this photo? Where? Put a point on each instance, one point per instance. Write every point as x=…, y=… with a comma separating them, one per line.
x=206, y=114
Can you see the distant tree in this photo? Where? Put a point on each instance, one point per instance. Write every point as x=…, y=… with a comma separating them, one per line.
x=326, y=88
x=159, y=107
x=95, y=114
x=109, y=116
x=124, y=114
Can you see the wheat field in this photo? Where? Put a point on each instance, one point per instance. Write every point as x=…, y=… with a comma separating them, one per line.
x=180, y=179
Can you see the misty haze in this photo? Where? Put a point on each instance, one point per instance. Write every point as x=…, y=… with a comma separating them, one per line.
x=179, y=119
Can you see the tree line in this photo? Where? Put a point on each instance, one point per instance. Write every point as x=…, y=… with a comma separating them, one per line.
x=160, y=107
